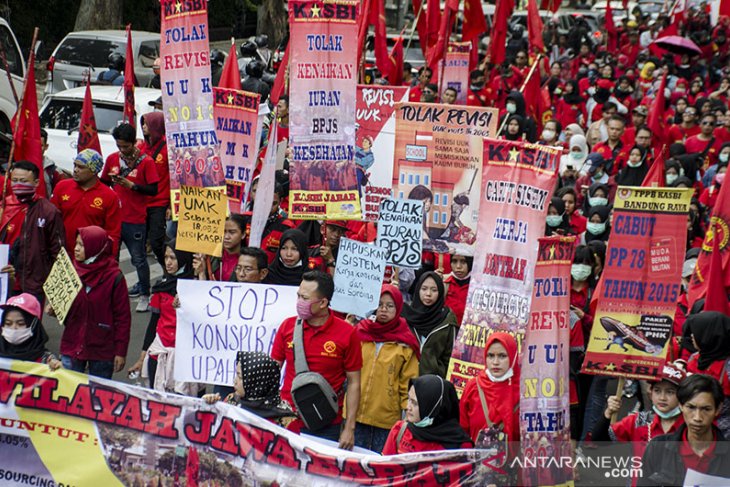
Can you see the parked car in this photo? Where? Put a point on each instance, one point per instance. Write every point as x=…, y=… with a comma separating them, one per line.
x=16, y=66
x=61, y=112
x=84, y=51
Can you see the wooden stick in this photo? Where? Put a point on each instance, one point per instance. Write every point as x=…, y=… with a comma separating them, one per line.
x=619, y=393
x=10, y=77
x=413, y=30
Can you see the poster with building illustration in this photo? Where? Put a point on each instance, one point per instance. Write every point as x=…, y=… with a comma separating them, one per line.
x=438, y=159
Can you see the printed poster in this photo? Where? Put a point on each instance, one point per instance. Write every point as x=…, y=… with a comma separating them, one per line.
x=438, y=159
x=85, y=431
x=187, y=98
x=517, y=184
x=640, y=284
x=323, y=79
x=455, y=69
x=544, y=386
x=375, y=137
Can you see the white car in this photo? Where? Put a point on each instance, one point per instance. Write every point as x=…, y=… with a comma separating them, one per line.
x=61, y=113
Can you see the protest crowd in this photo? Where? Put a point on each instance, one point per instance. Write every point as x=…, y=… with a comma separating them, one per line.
x=621, y=109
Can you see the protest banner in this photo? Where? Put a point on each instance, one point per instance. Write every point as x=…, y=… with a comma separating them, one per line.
x=202, y=220
x=236, y=125
x=358, y=277
x=517, y=183
x=400, y=232
x=215, y=320
x=375, y=137
x=323, y=80
x=455, y=70
x=4, y=276
x=265, y=191
x=187, y=98
x=438, y=159
x=62, y=285
x=127, y=435
x=640, y=283
x=544, y=398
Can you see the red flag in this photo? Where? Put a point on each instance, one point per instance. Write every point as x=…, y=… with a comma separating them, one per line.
x=231, y=76
x=716, y=298
x=192, y=467
x=552, y=5
x=655, y=120
x=88, y=135
x=421, y=27
x=611, y=31
x=498, y=40
x=27, y=137
x=433, y=24
x=534, y=28
x=719, y=230
x=724, y=7
x=130, y=116
x=436, y=53
x=625, y=4
x=377, y=18
x=281, y=78
x=363, y=23
x=396, y=60
x=475, y=24
x=655, y=177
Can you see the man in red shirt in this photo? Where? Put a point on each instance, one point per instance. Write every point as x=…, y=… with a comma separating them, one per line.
x=705, y=143
x=84, y=201
x=424, y=77
x=612, y=149
x=331, y=348
x=479, y=95
x=134, y=179
x=698, y=444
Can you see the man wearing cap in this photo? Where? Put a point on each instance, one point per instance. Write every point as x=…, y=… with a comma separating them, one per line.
x=323, y=257
x=85, y=201
x=638, y=118
x=596, y=172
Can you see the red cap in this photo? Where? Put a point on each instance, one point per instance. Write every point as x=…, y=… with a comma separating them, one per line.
x=671, y=373
x=26, y=302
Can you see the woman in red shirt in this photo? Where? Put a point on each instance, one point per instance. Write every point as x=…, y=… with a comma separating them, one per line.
x=457, y=285
x=432, y=419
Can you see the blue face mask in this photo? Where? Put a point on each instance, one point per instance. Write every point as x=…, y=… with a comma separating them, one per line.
x=554, y=220
x=668, y=415
x=596, y=228
x=597, y=201
x=428, y=420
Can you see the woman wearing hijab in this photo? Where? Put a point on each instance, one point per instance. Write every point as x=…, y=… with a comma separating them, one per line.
x=256, y=387
x=558, y=221
x=23, y=336
x=155, y=146
x=597, y=227
x=390, y=355
x=96, y=331
x=432, y=419
x=514, y=128
x=598, y=195
x=571, y=108
x=571, y=164
x=158, y=348
x=635, y=171
x=433, y=323
x=291, y=261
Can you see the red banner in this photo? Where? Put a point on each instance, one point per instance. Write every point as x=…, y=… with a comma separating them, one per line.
x=640, y=283
x=517, y=183
x=236, y=124
x=375, y=138
x=455, y=69
x=323, y=79
x=187, y=95
x=544, y=399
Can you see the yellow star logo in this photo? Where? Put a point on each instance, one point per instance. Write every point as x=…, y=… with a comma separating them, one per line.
x=178, y=7
x=513, y=154
x=552, y=252
x=27, y=113
x=611, y=366
x=315, y=10
x=230, y=98
x=290, y=344
x=65, y=197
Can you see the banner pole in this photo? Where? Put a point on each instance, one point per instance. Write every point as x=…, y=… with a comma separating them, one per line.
x=619, y=392
x=413, y=29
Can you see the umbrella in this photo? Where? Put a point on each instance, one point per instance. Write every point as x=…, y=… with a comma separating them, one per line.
x=678, y=45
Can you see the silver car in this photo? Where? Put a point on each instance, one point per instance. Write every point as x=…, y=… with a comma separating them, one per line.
x=87, y=52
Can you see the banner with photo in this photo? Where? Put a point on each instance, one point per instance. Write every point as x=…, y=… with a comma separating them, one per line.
x=375, y=142
x=455, y=69
x=187, y=97
x=544, y=398
x=236, y=124
x=438, y=160
x=640, y=284
x=517, y=183
x=66, y=428
x=323, y=81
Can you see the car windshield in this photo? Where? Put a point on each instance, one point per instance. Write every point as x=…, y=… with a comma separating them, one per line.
x=66, y=114
x=84, y=52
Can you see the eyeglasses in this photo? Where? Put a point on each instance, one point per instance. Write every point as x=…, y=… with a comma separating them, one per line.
x=387, y=306
x=707, y=123
x=246, y=270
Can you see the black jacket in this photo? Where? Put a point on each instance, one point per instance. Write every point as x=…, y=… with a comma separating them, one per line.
x=662, y=463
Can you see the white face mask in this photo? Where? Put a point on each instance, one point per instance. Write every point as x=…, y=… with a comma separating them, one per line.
x=17, y=336
x=507, y=375
x=548, y=134
x=511, y=108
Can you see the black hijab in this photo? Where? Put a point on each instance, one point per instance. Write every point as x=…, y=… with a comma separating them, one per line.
x=564, y=227
x=437, y=399
x=289, y=276
x=633, y=176
x=168, y=282
x=520, y=121
x=573, y=98
x=603, y=212
x=33, y=348
x=424, y=318
x=711, y=330
x=261, y=375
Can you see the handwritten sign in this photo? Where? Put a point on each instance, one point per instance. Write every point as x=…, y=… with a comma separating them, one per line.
x=62, y=286
x=215, y=320
x=400, y=231
x=358, y=277
x=202, y=219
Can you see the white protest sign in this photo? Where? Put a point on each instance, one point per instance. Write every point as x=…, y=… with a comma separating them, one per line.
x=400, y=231
x=4, y=276
x=217, y=319
x=358, y=277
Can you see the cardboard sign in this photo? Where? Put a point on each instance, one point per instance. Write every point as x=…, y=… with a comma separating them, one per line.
x=358, y=277
x=400, y=232
x=202, y=219
x=62, y=286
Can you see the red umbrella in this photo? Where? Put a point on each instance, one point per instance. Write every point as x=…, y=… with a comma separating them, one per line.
x=678, y=45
